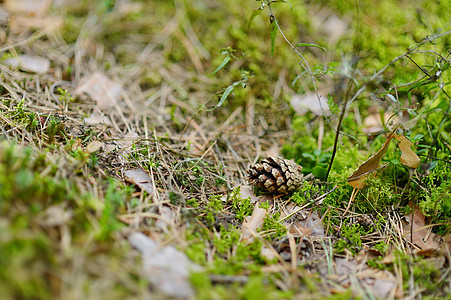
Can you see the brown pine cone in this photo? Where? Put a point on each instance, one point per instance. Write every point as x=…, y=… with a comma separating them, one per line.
x=276, y=174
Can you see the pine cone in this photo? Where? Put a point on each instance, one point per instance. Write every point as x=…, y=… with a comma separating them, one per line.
x=276, y=174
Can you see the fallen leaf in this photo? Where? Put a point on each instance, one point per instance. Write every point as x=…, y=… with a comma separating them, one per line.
x=304, y=222
x=309, y=102
x=101, y=89
x=247, y=191
x=55, y=215
x=93, y=146
x=167, y=217
x=166, y=268
x=369, y=166
x=4, y=17
x=252, y=223
x=19, y=24
x=373, y=124
x=415, y=230
x=29, y=63
x=127, y=140
x=29, y=7
x=140, y=177
x=96, y=118
x=361, y=279
x=408, y=157
x=267, y=253
x=335, y=27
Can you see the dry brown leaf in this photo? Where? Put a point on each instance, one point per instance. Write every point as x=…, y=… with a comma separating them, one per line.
x=408, y=157
x=29, y=63
x=369, y=166
x=361, y=278
x=140, y=177
x=302, y=222
x=252, y=223
x=101, y=89
x=417, y=232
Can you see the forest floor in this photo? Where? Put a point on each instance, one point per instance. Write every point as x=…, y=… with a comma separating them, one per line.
x=128, y=128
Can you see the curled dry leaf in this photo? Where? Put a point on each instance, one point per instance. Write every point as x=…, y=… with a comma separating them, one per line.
x=408, y=158
x=140, y=177
x=369, y=166
x=166, y=268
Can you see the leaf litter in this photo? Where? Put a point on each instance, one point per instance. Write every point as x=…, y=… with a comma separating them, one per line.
x=144, y=131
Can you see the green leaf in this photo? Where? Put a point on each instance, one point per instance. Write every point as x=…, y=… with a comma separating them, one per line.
x=224, y=62
x=310, y=45
x=226, y=93
x=273, y=21
x=319, y=172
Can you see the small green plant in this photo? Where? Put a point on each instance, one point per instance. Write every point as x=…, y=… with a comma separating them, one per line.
x=65, y=96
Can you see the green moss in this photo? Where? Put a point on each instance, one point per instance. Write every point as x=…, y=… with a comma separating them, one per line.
x=306, y=194
x=241, y=207
x=31, y=253
x=350, y=239
x=272, y=228
x=424, y=274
